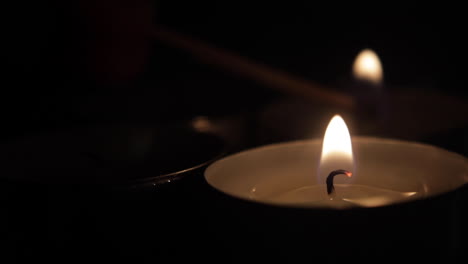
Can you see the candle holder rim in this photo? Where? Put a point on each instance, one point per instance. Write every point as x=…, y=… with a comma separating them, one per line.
x=354, y=139
x=176, y=175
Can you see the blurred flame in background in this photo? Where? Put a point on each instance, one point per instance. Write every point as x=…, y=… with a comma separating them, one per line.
x=367, y=67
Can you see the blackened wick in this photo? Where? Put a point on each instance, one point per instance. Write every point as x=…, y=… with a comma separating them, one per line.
x=330, y=187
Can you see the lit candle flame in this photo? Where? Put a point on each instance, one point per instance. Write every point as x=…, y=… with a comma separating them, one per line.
x=337, y=151
x=367, y=67
x=337, y=139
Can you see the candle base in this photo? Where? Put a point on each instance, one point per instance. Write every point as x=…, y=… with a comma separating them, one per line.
x=346, y=196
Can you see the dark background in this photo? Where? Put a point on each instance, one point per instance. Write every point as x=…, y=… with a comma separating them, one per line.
x=84, y=61
x=70, y=65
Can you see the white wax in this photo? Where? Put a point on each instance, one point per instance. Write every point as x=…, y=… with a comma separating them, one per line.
x=387, y=172
x=345, y=196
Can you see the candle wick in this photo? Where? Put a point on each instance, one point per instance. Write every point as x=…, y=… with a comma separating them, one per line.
x=331, y=176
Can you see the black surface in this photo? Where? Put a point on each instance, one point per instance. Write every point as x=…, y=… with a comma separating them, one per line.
x=79, y=64
x=110, y=155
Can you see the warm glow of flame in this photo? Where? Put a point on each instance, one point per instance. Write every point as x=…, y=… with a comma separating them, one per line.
x=202, y=124
x=337, y=139
x=337, y=151
x=367, y=67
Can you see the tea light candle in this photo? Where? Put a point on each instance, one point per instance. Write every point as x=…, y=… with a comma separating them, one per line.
x=294, y=174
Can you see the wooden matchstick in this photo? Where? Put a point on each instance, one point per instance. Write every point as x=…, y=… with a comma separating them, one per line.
x=245, y=67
